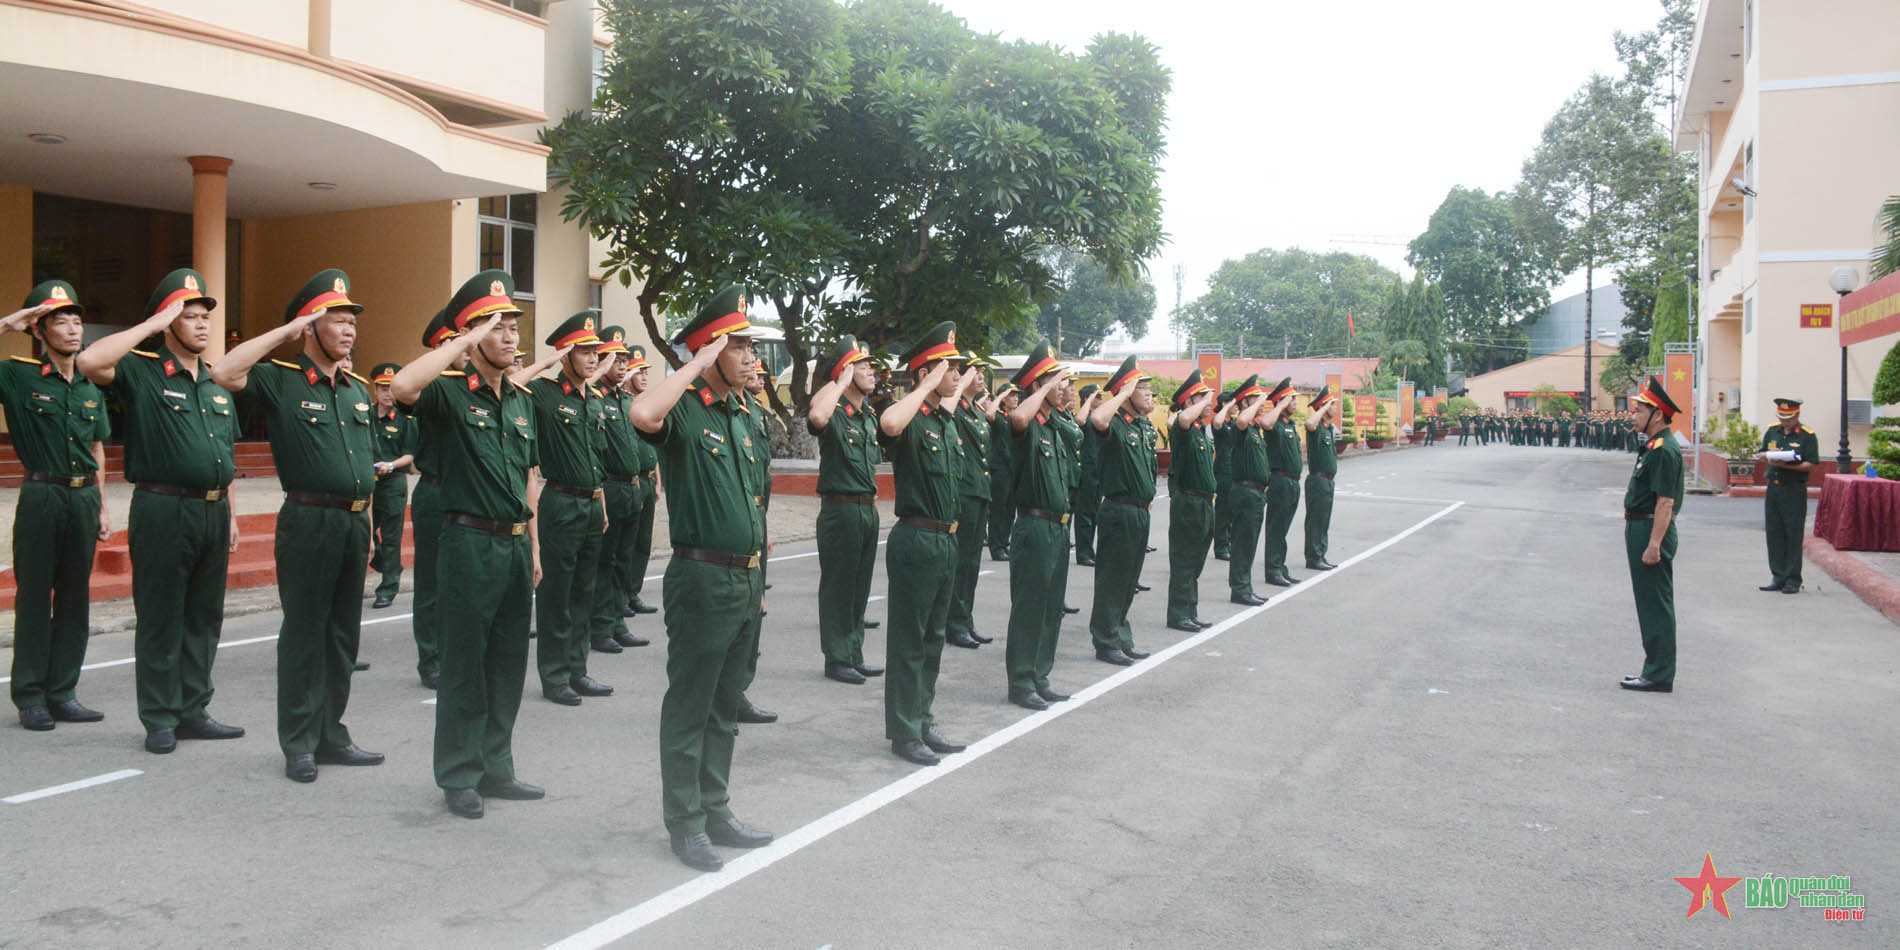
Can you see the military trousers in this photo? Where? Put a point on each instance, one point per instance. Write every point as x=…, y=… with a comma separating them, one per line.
x=1190, y=530
x=321, y=557
x=1224, y=496
x=1655, y=590
x=569, y=531
x=711, y=615
x=55, y=532
x=925, y=561
x=970, y=524
x=387, y=507
x=1088, y=504
x=1249, y=508
x=1319, y=516
x=847, y=557
x=634, y=570
x=1118, y=561
x=1002, y=514
x=487, y=587
x=1038, y=580
x=1283, y=502
x=616, y=552
x=1785, y=515
x=181, y=549
x=425, y=518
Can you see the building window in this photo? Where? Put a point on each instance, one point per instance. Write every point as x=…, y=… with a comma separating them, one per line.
x=1748, y=315
x=599, y=72
x=530, y=7
x=1748, y=178
x=507, y=239
x=594, y=290
x=1748, y=30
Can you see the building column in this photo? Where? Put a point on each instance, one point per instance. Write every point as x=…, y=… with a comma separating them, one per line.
x=210, y=178
x=319, y=37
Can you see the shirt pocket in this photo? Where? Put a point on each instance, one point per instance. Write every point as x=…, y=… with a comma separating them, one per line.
x=519, y=438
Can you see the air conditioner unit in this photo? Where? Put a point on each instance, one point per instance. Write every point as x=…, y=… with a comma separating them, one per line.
x=1733, y=395
x=1860, y=412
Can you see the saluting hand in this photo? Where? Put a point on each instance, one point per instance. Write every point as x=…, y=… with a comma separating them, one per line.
x=710, y=352
x=21, y=319
x=935, y=376
x=296, y=328
x=164, y=318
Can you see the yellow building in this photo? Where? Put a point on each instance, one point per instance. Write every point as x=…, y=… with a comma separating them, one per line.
x=263, y=140
x=1793, y=108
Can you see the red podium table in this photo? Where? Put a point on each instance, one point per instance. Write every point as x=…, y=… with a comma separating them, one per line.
x=1859, y=513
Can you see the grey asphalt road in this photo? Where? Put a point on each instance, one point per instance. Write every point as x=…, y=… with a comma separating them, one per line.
x=1426, y=748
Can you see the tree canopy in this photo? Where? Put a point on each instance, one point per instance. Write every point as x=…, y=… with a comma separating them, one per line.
x=1086, y=306
x=1494, y=265
x=1293, y=303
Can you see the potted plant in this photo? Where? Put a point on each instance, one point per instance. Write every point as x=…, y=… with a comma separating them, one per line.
x=1740, y=442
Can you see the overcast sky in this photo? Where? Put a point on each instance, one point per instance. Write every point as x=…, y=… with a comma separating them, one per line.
x=1311, y=124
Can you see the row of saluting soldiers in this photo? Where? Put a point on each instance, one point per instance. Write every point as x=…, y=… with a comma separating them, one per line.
x=1600, y=429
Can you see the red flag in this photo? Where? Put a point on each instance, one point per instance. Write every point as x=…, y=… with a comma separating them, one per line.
x=1350, y=331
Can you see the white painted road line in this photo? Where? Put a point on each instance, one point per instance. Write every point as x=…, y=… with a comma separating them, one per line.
x=233, y=643
x=25, y=797
x=745, y=865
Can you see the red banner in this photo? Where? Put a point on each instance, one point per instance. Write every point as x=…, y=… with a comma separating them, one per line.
x=1407, y=396
x=1430, y=403
x=1210, y=370
x=1872, y=311
x=1365, y=412
x=1679, y=383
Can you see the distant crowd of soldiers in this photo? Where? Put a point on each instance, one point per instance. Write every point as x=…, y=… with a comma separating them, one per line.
x=1599, y=429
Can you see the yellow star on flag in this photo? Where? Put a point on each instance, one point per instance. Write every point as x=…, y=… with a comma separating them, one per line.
x=1680, y=375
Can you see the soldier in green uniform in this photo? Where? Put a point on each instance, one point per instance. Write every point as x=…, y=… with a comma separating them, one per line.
x=1125, y=470
x=1785, y=508
x=1283, y=479
x=630, y=472
x=489, y=558
x=572, y=514
x=1249, y=487
x=1322, y=466
x=847, y=515
x=713, y=588
x=395, y=435
x=57, y=419
x=921, y=435
x=1650, y=506
x=975, y=416
x=1224, y=495
x=1043, y=473
x=1191, y=487
x=1088, y=488
x=1002, y=509
x=760, y=447
x=318, y=416
x=425, y=516
x=180, y=432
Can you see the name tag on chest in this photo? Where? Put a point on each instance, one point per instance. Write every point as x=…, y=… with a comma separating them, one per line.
x=43, y=397
x=316, y=406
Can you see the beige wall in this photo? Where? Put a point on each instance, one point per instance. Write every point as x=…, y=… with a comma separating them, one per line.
x=284, y=21
x=1562, y=369
x=443, y=42
x=16, y=261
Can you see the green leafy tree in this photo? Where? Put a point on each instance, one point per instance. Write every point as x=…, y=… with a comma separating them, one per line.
x=1294, y=303
x=1887, y=255
x=1671, y=322
x=1619, y=375
x=1089, y=306
x=1493, y=259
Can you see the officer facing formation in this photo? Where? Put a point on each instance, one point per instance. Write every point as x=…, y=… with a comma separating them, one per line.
x=1043, y=475
x=848, y=456
x=630, y=471
x=395, y=435
x=1192, y=420
x=1126, y=466
x=1785, y=507
x=1650, y=506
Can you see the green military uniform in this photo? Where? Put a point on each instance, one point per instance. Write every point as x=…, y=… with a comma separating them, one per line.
x=486, y=446
x=713, y=586
x=758, y=450
x=1785, y=507
x=1322, y=466
x=425, y=517
x=1191, y=499
x=395, y=434
x=847, y=516
x=1249, y=481
x=1043, y=469
x=1126, y=470
x=630, y=470
x=1088, y=488
x=973, y=486
x=1657, y=475
x=567, y=419
x=179, y=449
x=1002, y=507
x=1283, y=484
x=1224, y=495
x=54, y=422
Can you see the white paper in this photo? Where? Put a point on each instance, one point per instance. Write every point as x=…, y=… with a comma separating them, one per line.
x=1782, y=455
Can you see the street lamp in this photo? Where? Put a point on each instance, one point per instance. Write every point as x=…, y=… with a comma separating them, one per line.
x=1843, y=280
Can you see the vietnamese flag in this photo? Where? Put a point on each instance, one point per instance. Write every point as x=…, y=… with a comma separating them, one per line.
x=1350, y=331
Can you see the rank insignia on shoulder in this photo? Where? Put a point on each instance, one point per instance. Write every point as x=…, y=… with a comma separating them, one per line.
x=25, y=359
x=474, y=382
x=706, y=396
x=1656, y=443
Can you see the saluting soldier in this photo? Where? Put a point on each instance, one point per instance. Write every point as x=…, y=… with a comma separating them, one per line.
x=1191, y=487
x=489, y=553
x=425, y=516
x=1650, y=507
x=1249, y=487
x=920, y=434
x=180, y=432
x=395, y=435
x=1224, y=495
x=637, y=381
x=1322, y=466
x=975, y=416
x=318, y=416
x=713, y=588
x=1125, y=471
x=1002, y=473
x=848, y=455
x=1088, y=489
x=629, y=469
x=1068, y=420
x=1043, y=475
x=1785, y=507
x=759, y=447
x=1283, y=479
x=57, y=419
x=572, y=513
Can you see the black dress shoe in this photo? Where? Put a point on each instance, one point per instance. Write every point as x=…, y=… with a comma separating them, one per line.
x=1791, y=588
x=208, y=728
x=1049, y=695
x=431, y=679
x=301, y=768
x=1085, y=562
x=1219, y=556
x=1186, y=626
x=1150, y=549
x=1290, y=579
x=466, y=802
x=731, y=833
x=563, y=694
x=844, y=673
x=696, y=852
x=382, y=602
x=869, y=671
x=71, y=711
x=1141, y=587
x=627, y=639
x=161, y=741
x=963, y=640
x=37, y=719
x=1641, y=685
x=348, y=755
x=755, y=716
x=609, y=645
x=359, y=666
x=1278, y=581
x=768, y=587
x=512, y=790
x=1028, y=699
x=1071, y=610
x=628, y=611
x=999, y=555
x=1248, y=599
x=873, y=624
x=589, y=686
x=981, y=638
x=1136, y=654
x=1114, y=656
x=640, y=607
x=1320, y=565
x=939, y=744
x=1776, y=586
x=914, y=751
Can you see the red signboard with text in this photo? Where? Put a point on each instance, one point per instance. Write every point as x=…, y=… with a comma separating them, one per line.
x=1817, y=316
x=1872, y=311
x=1679, y=382
x=1365, y=411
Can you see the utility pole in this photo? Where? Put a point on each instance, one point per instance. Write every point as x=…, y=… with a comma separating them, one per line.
x=1174, y=319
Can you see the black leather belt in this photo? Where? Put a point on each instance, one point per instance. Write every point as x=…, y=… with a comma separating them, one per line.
x=1127, y=501
x=327, y=501
x=929, y=524
x=721, y=558
x=430, y=479
x=853, y=499
x=1286, y=474
x=621, y=479
x=1044, y=515
x=70, y=481
x=1325, y=475
x=173, y=491
x=1256, y=486
x=1629, y=515
x=513, y=529
x=572, y=490
x=1191, y=493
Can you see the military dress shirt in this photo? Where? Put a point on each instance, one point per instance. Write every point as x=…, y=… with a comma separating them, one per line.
x=1250, y=453
x=621, y=455
x=319, y=426
x=180, y=429
x=485, y=444
x=1191, y=466
x=1045, y=465
x=395, y=435
x=567, y=423
x=848, y=451
x=53, y=422
x=1283, y=447
x=1658, y=474
x=709, y=463
x=1322, y=449
x=975, y=431
x=927, y=459
x=1125, y=462
x=1802, y=440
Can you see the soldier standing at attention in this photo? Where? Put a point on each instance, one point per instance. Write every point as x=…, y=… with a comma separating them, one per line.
x=1283, y=481
x=847, y=515
x=57, y=418
x=628, y=470
x=922, y=437
x=1088, y=487
x=1126, y=469
x=713, y=588
x=1002, y=475
x=489, y=558
x=318, y=416
x=395, y=435
x=974, y=418
x=759, y=445
x=1224, y=495
x=1785, y=508
x=1650, y=506
x=1322, y=466
x=1250, y=489
x=1043, y=473
x=1190, y=498
x=1067, y=420
x=637, y=382
x=180, y=433
x=425, y=516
